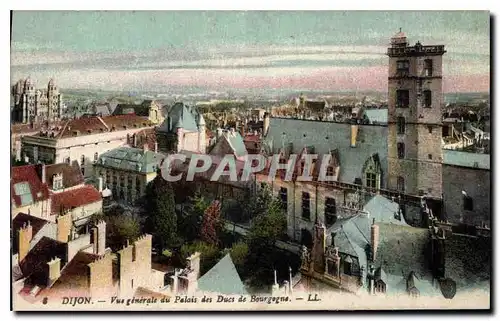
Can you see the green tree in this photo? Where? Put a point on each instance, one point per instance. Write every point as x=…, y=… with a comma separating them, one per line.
x=211, y=224
x=119, y=229
x=263, y=256
x=159, y=209
x=210, y=254
x=190, y=219
x=239, y=253
x=257, y=203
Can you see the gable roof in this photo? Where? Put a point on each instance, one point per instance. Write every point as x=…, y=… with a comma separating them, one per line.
x=72, y=175
x=326, y=136
x=222, y=278
x=34, y=265
x=180, y=114
x=235, y=142
x=26, y=185
x=74, y=198
x=20, y=221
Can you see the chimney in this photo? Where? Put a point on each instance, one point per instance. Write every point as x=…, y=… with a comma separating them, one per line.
x=354, y=134
x=145, y=147
x=275, y=287
x=175, y=281
x=100, y=238
x=25, y=237
x=134, y=137
x=374, y=240
x=156, y=147
x=100, y=180
x=42, y=172
x=219, y=133
x=194, y=264
x=266, y=123
x=54, y=266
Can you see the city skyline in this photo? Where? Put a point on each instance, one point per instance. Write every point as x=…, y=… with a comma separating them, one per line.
x=214, y=50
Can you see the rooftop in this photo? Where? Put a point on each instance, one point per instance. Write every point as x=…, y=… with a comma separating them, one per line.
x=131, y=159
x=26, y=185
x=74, y=198
x=465, y=159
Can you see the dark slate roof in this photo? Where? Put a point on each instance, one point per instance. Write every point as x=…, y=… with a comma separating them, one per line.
x=103, y=110
x=180, y=114
x=34, y=265
x=236, y=142
x=377, y=116
x=403, y=249
x=139, y=110
x=222, y=278
x=132, y=159
x=327, y=136
x=465, y=159
x=21, y=220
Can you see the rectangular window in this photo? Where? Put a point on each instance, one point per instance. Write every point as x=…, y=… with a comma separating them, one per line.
x=306, y=206
x=427, y=98
x=403, y=66
x=468, y=203
x=401, y=125
x=330, y=211
x=428, y=67
x=284, y=198
x=430, y=129
x=371, y=180
x=403, y=98
x=401, y=150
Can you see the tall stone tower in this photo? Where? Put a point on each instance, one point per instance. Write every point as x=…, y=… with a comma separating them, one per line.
x=415, y=119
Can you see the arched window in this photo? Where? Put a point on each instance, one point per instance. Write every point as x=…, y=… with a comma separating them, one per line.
x=82, y=160
x=401, y=125
x=96, y=156
x=372, y=172
x=401, y=184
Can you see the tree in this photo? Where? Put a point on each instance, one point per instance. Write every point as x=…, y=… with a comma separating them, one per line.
x=257, y=203
x=190, y=220
x=211, y=224
x=267, y=227
x=239, y=253
x=159, y=209
x=210, y=254
x=119, y=229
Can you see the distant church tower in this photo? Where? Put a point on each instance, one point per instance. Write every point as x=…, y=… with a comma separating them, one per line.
x=415, y=97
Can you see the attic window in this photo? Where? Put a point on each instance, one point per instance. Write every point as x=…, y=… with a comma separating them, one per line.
x=305, y=135
x=135, y=125
x=89, y=131
x=101, y=130
x=75, y=133
x=124, y=126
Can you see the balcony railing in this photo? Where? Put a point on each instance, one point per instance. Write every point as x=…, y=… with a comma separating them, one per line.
x=430, y=50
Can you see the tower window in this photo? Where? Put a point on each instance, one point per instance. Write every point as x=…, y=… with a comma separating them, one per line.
x=403, y=66
x=430, y=156
x=430, y=129
x=468, y=203
x=96, y=156
x=427, y=98
x=330, y=211
x=401, y=125
x=284, y=198
x=428, y=67
x=306, y=206
x=401, y=184
x=82, y=160
x=403, y=98
x=401, y=150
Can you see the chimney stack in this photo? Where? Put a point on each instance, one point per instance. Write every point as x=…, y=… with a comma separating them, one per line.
x=54, y=266
x=374, y=240
x=156, y=147
x=145, y=147
x=100, y=180
x=354, y=134
x=41, y=171
x=25, y=237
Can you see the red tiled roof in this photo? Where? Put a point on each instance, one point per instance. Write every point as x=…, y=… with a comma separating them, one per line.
x=74, y=198
x=146, y=136
x=82, y=126
x=33, y=128
x=72, y=175
x=129, y=120
x=28, y=174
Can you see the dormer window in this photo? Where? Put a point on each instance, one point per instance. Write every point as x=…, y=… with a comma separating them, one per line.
x=57, y=182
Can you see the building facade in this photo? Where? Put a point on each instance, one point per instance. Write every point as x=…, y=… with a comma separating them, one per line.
x=126, y=171
x=82, y=140
x=35, y=105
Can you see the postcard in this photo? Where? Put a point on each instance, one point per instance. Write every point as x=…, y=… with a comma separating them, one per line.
x=250, y=160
